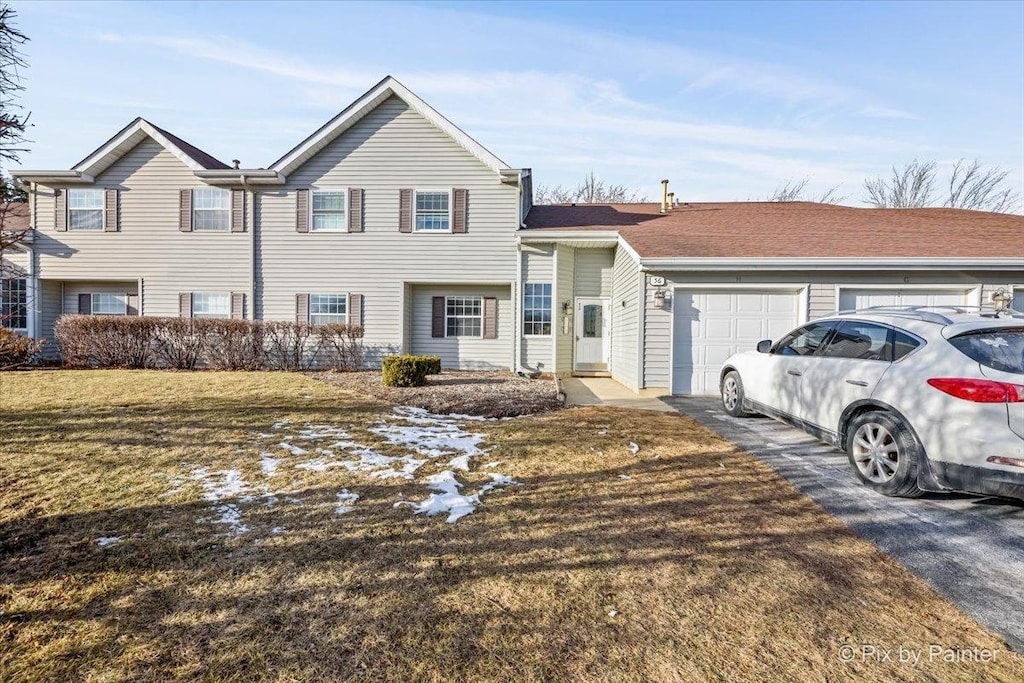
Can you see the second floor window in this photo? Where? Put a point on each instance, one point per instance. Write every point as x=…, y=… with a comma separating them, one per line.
x=432, y=212
x=85, y=209
x=211, y=208
x=325, y=309
x=109, y=304
x=327, y=211
x=207, y=305
x=14, y=303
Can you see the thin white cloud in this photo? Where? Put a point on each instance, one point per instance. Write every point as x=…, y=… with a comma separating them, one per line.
x=888, y=113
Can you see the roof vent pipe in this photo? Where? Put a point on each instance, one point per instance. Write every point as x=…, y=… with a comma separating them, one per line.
x=671, y=200
x=664, y=196
x=235, y=163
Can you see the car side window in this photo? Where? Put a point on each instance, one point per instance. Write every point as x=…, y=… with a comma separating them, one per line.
x=804, y=341
x=902, y=344
x=863, y=341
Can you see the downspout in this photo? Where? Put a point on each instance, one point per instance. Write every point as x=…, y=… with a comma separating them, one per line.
x=517, y=343
x=251, y=196
x=36, y=302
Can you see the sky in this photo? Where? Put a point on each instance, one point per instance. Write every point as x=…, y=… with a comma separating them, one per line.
x=727, y=100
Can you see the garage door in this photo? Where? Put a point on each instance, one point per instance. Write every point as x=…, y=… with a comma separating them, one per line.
x=709, y=326
x=852, y=299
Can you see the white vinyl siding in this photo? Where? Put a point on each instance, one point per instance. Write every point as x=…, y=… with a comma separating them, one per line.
x=537, y=309
x=85, y=209
x=105, y=303
x=564, y=323
x=466, y=353
x=14, y=303
x=593, y=272
x=625, y=312
x=326, y=309
x=211, y=305
x=464, y=316
x=432, y=211
x=211, y=209
x=328, y=210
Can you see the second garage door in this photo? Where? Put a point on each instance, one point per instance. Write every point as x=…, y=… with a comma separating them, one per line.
x=853, y=299
x=711, y=325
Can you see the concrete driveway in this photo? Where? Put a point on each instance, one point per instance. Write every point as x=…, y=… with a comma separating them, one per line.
x=970, y=549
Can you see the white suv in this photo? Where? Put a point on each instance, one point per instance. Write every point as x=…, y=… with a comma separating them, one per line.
x=921, y=398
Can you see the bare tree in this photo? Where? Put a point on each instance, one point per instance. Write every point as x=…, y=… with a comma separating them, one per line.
x=973, y=186
x=590, y=191
x=909, y=187
x=796, y=190
x=13, y=122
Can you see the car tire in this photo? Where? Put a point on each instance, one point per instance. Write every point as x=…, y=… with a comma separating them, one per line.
x=732, y=395
x=884, y=454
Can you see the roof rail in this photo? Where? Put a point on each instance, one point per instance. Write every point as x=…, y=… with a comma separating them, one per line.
x=931, y=314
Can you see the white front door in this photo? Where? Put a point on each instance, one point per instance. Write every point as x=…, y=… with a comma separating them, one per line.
x=592, y=334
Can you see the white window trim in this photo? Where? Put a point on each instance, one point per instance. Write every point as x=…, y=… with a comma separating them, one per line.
x=481, y=316
x=194, y=210
x=551, y=323
x=92, y=303
x=344, y=221
x=451, y=216
x=227, y=295
x=28, y=309
x=309, y=304
x=102, y=209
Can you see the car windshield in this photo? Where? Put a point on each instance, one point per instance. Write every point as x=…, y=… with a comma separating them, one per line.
x=996, y=349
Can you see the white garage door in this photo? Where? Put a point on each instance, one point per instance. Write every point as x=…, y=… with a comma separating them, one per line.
x=711, y=325
x=852, y=299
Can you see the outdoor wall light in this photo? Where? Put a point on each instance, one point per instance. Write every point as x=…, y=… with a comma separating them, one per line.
x=661, y=297
x=566, y=307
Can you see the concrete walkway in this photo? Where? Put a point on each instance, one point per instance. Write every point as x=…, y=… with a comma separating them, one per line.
x=604, y=391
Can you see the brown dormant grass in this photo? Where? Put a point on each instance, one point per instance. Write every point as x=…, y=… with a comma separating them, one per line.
x=687, y=562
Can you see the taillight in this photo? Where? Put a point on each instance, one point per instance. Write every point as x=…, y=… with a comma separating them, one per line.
x=979, y=390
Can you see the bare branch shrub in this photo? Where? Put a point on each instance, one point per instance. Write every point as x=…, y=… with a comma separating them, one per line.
x=341, y=347
x=290, y=346
x=17, y=350
x=179, y=342
x=235, y=345
x=105, y=341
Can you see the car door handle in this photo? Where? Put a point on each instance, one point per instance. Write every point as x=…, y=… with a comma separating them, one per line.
x=857, y=382
x=795, y=373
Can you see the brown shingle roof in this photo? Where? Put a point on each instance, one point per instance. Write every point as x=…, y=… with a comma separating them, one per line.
x=14, y=216
x=793, y=230
x=207, y=161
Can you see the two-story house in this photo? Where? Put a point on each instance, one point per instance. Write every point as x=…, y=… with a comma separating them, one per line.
x=391, y=217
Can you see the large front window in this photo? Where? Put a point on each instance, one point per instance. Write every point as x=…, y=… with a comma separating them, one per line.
x=537, y=308
x=14, y=303
x=211, y=208
x=85, y=209
x=432, y=212
x=325, y=309
x=207, y=305
x=464, y=316
x=328, y=211
x=109, y=304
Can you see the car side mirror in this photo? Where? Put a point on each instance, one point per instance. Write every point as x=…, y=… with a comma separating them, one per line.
x=764, y=346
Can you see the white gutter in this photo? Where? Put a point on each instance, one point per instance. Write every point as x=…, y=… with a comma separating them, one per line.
x=886, y=263
x=540, y=235
x=255, y=176
x=47, y=177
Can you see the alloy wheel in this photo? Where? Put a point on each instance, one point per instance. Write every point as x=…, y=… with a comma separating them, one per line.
x=875, y=452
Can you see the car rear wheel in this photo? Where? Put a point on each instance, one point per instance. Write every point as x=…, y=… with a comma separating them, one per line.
x=884, y=454
x=732, y=394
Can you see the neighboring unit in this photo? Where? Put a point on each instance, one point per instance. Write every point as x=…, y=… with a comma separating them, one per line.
x=391, y=217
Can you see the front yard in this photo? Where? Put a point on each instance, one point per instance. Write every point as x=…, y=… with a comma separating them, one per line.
x=269, y=526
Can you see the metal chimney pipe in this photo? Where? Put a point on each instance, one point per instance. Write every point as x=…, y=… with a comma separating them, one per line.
x=671, y=200
x=664, y=195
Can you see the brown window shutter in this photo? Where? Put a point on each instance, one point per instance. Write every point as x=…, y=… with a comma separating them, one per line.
x=60, y=211
x=302, y=308
x=405, y=211
x=85, y=304
x=459, y=201
x=185, y=305
x=185, y=212
x=490, y=317
x=238, y=305
x=437, y=327
x=133, y=304
x=355, y=210
x=111, y=213
x=355, y=309
x=302, y=211
x=237, y=210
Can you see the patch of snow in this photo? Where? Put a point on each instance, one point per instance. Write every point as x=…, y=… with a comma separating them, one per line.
x=492, y=464
x=278, y=529
x=294, y=450
x=634, y=447
x=104, y=541
x=280, y=425
x=449, y=500
x=345, y=498
x=432, y=436
x=218, y=486
x=625, y=477
x=231, y=517
x=460, y=463
x=268, y=464
x=603, y=432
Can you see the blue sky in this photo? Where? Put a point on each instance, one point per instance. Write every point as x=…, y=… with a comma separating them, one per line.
x=727, y=100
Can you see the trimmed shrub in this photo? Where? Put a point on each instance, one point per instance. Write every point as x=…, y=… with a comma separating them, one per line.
x=290, y=346
x=17, y=349
x=105, y=341
x=340, y=346
x=235, y=345
x=404, y=371
x=433, y=364
x=179, y=342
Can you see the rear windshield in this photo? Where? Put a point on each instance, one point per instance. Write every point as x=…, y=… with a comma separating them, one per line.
x=996, y=349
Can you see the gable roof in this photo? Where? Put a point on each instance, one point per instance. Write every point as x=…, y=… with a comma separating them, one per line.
x=766, y=230
x=348, y=117
x=134, y=133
